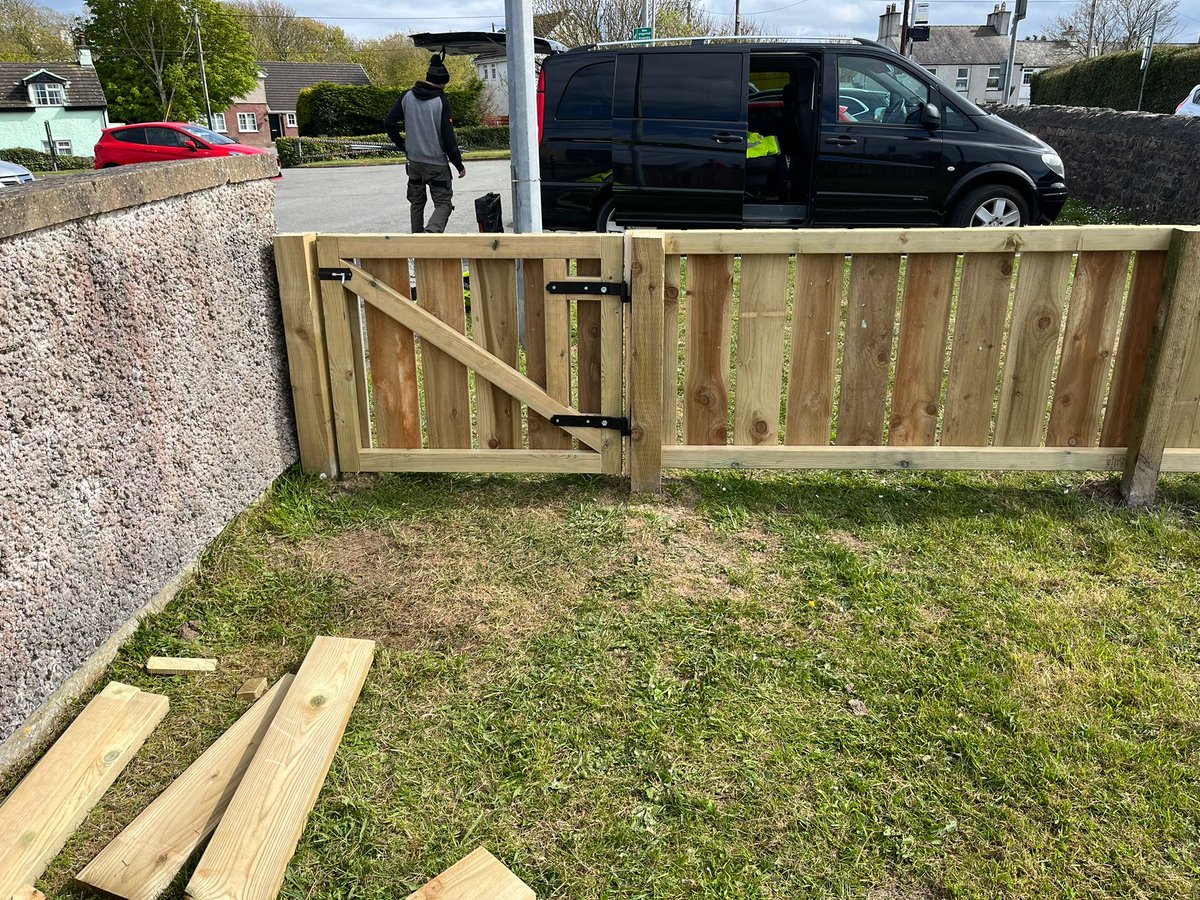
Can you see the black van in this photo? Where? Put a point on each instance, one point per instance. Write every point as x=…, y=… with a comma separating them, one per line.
x=775, y=132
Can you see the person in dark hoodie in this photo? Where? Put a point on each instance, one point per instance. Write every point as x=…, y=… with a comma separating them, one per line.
x=423, y=114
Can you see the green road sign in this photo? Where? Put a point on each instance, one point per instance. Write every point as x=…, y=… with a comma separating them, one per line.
x=643, y=34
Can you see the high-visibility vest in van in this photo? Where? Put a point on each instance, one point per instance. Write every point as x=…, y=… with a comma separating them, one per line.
x=761, y=145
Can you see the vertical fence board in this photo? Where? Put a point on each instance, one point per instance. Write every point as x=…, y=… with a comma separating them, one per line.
x=1184, y=410
x=587, y=337
x=1140, y=310
x=870, y=322
x=447, y=393
x=1032, y=344
x=646, y=353
x=557, y=312
x=709, y=324
x=816, y=314
x=494, y=327
x=670, y=380
x=304, y=332
x=612, y=354
x=1091, y=332
x=533, y=272
x=339, y=343
x=357, y=339
x=921, y=356
x=393, y=356
x=762, y=319
x=975, y=348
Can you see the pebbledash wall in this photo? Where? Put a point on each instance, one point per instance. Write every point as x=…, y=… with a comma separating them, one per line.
x=1142, y=162
x=144, y=403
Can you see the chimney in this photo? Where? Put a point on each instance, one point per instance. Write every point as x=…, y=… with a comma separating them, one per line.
x=84, y=55
x=889, y=27
x=999, y=18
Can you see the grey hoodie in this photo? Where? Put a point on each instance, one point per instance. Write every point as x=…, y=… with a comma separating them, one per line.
x=423, y=114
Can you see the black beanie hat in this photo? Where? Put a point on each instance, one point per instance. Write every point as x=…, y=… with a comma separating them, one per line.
x=438, y=73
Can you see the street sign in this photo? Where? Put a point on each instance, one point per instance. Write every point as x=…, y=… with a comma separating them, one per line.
x=922, y=16
x=643, y=34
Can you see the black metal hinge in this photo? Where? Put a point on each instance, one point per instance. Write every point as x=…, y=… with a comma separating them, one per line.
x=330, y=274
x=617, y=423
x=590, y=289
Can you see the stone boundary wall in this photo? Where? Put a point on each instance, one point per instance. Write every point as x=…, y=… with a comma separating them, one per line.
x=1142, y=162
x=144, y=403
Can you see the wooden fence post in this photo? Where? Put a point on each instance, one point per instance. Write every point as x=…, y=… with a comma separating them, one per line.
x=304, y=332
x=644, y=256
x=1174, y=330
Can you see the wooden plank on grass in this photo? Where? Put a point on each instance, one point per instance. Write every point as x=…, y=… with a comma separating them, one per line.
x=477, y=876
x=587, y=336
x=393, y=357
x=708, y=332
x=141, y=861
x=179, y=665
x=250, y=849
x=494, y=327
x=921, y=355
x=870, y=321
x=762, y=321
x=28, y=892
x=1132, y=349
x=57, y=794
x=670, y=355
x=1032, y=345
x=1091, y=334
x=816, y=317
x=252, y=689
x=557, y=313
x=447, y=394
x=975, y=348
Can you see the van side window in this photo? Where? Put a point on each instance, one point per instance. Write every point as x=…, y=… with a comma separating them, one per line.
x=874, y=92
x=692, y=86
x=954, y=120
x=589, y=93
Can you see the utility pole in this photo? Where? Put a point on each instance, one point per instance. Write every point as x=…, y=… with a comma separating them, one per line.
x=1087, y=54
x=737, y=17
x=1146, y=54
x=522, y=100
x=644, y=22
x=1020, y=9
x=203, y=77
x=904, y=28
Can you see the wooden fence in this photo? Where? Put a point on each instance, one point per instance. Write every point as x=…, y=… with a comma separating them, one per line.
x=1057, y=348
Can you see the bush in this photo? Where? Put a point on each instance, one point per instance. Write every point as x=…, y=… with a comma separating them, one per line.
x=359, y=109
x=1113, y=81
x=293, y=151
x=37, y=161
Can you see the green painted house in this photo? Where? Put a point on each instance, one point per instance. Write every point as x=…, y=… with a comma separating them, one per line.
x=68, y=96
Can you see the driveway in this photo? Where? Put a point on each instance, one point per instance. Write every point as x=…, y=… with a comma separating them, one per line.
x=371, y=198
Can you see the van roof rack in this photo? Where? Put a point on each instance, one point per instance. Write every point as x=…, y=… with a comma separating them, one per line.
x=734, y=38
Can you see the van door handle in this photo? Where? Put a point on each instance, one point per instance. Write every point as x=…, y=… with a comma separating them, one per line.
x=842, y=141
x=724, y=137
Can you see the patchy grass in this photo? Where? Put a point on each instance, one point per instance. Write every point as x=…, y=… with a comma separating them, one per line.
x=1076, y=212
x=883, y=686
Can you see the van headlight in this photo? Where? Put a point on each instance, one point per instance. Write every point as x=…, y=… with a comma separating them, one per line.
x=1054, y=163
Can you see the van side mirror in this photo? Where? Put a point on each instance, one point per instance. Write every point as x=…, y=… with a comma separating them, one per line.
x=931, y=117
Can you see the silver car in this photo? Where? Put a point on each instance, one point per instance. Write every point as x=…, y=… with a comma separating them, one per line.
x=11, y=173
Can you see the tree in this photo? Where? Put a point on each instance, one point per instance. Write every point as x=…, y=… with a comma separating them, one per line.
x=146, y=57
x=1106, y=26
x=595, y=21
x=280, y=35
x=33, y=33
x=395, y=61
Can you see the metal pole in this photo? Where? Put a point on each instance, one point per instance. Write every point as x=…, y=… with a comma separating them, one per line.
x=50, y=144
x=522, y=106
x=737, y=17
x=1091, y=31
x=203, y=77
x=645, y=19
x=1012, y=63
x=904, y=29
x=1149, y=55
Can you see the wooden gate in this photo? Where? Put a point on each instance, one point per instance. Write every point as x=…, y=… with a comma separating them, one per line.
x=424, y=366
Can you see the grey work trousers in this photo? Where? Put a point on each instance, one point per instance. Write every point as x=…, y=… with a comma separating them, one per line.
x=441, y=189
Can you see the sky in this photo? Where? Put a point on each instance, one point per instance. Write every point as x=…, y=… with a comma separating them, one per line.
x=374, y=18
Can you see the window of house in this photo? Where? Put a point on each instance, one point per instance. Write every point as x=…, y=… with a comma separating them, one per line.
x=962, y=79
x=993, y=82
x=47, y=94
x=589, y=93
x=1027, y=76
x=219, y=123
x=247, y=122
x=483, y=70
x=59, y=147
x=932, y=70
x=290, y=118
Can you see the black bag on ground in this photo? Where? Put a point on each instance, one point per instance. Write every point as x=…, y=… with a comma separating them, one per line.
x=488, y=213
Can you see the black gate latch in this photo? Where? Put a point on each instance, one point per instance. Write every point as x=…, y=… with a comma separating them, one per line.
x=590, y=289
x=617, y=423
x=326, y=273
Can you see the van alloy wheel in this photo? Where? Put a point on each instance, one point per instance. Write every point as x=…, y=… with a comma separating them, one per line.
x=996, y=212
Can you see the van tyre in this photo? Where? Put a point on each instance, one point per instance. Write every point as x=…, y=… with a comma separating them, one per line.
x=991, y=206
x=604, y=218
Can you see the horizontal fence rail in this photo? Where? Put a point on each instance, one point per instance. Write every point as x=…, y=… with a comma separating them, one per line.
x=1037, y=349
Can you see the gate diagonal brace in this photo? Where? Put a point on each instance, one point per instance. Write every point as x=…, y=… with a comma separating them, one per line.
x=614, y=423
x=618, y=289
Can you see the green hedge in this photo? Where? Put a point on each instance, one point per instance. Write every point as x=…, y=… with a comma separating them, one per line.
x=359, y=109
x=37, y=161
x=289, y=149
x=1113, y=80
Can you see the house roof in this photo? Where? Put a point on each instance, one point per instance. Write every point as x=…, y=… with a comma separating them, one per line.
x=83, y=92
x=979, y=45
x=285, y=80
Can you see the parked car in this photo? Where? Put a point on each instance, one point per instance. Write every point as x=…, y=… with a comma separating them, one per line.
x=161, y=141
x=11, y=173
x=666, y=134
x=1191, y=103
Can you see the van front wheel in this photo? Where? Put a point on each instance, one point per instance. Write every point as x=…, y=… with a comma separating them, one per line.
x=990, y=206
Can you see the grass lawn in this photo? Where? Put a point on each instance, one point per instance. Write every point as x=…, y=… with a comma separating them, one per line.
x=394, y=160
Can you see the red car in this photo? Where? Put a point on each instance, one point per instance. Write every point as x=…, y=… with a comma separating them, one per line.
x=161, y=141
